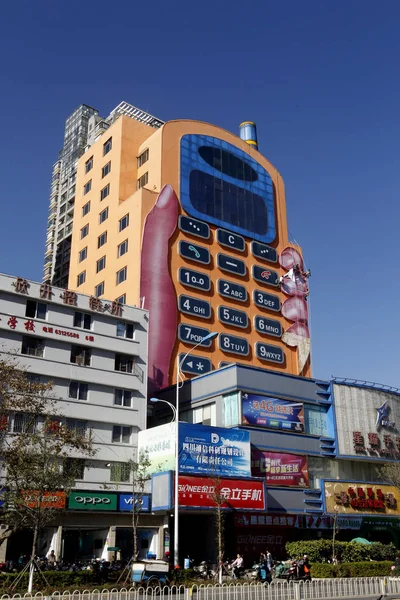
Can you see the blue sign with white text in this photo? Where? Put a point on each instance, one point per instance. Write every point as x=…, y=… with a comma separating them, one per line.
x=125, y=502
x=214, y=451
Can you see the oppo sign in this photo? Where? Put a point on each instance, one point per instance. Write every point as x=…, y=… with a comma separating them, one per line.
x=80, y=500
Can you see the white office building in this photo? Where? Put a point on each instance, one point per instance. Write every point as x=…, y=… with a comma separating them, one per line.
x=95, y=353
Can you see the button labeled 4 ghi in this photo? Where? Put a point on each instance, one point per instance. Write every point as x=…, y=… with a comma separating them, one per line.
x=194, y=306
x=195, y=365
x=231, y=316
x=194, y=252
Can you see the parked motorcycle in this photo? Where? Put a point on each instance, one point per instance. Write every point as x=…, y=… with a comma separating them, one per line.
x=203, y=570
x=259, y=572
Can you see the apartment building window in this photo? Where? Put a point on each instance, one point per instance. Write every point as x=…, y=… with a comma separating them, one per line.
x=24, y=423
x=81, y=278
x=125, y=330
x=102, y=239
x=80, y=355
x=82, y=320
x=106, y=169
x=74, y=468
x=84, y=231
x=124, y=363
x=99, y=289
x=105, y=192
x=121, y=434
x=35, y=310
x=32, y=346
x=142, y=158
x=85, y=208
x=123, y=248
x=87, y=187
x=121, y=275
x=83, y=254
x=89, y=164
x=76, y=426
x=78, y=390
x=121, y=299
x=123, y=398
x=100, y=264
x=123, y=223
x=103, y=215
x=206, y=415
x=107, y=146
x=120, y=472
x=143, y=180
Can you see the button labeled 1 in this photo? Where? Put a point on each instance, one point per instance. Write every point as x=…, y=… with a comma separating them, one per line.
x=231, y=316
x=267, y=326
x=263, y=275
x=194, y=252
x=270, y=353
x=230, y=240
x=231, y=264
x=194, y=306
x=193, y=335
x=233, y=344
x=195, y=365
x=194, y=227
x=194, y=279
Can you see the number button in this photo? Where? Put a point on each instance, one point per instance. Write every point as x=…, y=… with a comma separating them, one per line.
x=193, y=335
x=231, y=316
x=194, y=252
x=194, y=306
x=194, y=279
x=235, y=291
x=267, y=326
x=233, y=344
x=267, y=301
x=269, y=353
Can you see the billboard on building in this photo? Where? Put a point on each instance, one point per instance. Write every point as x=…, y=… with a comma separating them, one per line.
x=274, y=413
x=368, y=422
x=280, y=468
x=53, y=500
x=350, y=497
x=159, y=445
x=214, y=451
x=99, y=501
x=205, y=492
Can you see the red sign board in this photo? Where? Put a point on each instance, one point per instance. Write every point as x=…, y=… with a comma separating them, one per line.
x=49, y=499
x=280, y=469
x=205, y=493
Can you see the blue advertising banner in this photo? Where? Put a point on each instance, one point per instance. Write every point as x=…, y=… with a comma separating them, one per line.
x=125, y=502
x=274, y=413
x=214, y=451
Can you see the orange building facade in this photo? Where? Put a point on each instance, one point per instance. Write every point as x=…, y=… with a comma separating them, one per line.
x=189, y=221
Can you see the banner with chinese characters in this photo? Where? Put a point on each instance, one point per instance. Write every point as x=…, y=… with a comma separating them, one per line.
x=53, y=500
x=280, y=469
x=214, y=451
x=158, y=443
x=204, y=492
x=274, y=413
x=368, y=421
x=350, y=498
x=251, y=520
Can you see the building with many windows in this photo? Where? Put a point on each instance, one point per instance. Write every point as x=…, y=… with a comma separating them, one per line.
x=95, y=353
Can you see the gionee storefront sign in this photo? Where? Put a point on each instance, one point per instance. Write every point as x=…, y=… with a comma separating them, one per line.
x=99, y=501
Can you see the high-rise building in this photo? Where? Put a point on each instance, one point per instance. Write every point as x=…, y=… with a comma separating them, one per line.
x=189, y=221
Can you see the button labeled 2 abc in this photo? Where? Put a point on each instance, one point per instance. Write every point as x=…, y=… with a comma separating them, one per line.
x=194, y=252
x=263, y=275
x=233, y=344
x=231, y=316
x=193, y=335
x=270, y=353
x=228, y=289
x=194, y=306
x=195, y=365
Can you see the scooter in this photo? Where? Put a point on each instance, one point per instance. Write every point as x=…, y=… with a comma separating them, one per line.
x=261, y=573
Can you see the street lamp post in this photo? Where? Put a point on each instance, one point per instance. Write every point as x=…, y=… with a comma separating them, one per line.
x=179, y=363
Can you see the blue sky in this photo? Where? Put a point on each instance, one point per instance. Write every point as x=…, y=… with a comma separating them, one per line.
x=321, y=80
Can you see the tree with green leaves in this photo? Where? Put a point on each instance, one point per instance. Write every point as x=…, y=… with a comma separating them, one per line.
x=140, y=477
x=40, y=453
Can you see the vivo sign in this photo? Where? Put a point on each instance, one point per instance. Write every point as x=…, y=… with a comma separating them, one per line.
x=127, y=502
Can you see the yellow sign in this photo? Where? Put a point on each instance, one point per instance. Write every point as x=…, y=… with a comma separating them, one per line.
x=356, y=498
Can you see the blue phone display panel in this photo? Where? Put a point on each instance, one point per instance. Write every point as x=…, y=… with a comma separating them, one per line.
x=224, y=186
